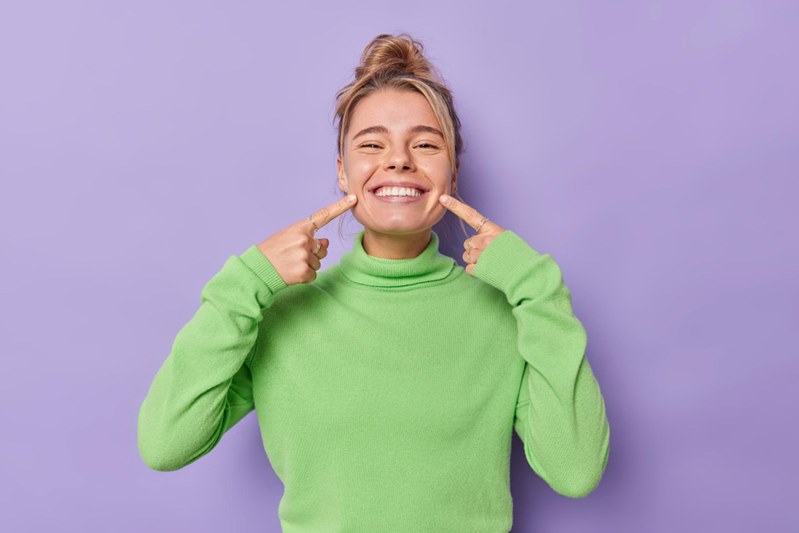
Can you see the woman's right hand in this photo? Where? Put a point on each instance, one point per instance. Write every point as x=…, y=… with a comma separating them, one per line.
x=295, y=252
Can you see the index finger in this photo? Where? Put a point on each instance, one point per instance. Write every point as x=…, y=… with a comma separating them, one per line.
x=329, y=212
x=466, y=212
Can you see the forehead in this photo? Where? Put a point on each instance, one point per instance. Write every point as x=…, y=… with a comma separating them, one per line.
x=397, y=110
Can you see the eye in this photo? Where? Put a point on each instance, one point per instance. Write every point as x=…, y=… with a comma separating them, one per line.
x=369, y=145
x=427, y=145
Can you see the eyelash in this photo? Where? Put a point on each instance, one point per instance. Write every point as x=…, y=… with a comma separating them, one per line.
x=373, y=144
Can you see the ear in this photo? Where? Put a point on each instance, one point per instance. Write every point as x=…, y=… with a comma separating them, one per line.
x=342, y=176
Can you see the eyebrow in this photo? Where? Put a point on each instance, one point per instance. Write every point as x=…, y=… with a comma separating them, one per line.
x=383, y=129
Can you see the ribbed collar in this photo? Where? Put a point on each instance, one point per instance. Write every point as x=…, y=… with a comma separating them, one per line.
x=364, y=269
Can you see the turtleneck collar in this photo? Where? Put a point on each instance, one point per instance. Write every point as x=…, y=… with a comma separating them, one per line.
x=364, y=269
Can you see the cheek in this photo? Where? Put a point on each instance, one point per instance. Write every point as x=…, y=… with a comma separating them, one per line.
x=361, y=170
x=438, y=172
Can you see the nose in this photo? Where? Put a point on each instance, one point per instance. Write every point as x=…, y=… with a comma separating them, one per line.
x=399, y=158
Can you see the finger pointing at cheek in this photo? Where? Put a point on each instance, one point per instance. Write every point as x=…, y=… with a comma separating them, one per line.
x=295, y=251
x=486, y=229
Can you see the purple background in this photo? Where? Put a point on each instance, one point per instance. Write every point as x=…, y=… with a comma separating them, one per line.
x=650, y=147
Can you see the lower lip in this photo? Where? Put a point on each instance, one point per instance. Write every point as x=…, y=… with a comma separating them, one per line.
x=399, y=199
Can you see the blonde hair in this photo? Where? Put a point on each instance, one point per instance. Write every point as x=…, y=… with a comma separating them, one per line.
x=398, y=62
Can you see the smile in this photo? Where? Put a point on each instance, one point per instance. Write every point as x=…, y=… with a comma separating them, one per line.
x=398, y=195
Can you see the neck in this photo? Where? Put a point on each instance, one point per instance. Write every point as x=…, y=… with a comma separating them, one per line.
x=395, y=246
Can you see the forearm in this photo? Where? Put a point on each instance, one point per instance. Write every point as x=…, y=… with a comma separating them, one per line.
x=560, y=413
x=203, y=387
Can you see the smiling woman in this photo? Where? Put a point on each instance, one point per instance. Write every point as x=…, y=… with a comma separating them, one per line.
x=398, y=167
x=388, y=386
x=397, y=126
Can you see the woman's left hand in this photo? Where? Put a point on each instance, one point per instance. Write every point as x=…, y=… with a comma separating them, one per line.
x=485, y=231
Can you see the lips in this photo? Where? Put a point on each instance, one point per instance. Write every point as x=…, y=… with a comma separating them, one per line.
x=407, y=184
x=399, y=199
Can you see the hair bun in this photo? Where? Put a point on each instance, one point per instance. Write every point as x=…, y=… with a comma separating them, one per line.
x=397, y=62
x=394, y=54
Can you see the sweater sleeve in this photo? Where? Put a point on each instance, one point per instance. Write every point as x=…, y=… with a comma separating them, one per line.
x=204, y=386
x=560, y=412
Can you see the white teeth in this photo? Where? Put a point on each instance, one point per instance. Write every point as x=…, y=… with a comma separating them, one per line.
x=397, y=191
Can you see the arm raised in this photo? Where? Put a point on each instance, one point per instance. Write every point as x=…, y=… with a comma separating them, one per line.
x=560, y=413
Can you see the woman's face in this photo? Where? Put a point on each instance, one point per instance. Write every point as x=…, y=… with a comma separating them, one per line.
x=395, y=140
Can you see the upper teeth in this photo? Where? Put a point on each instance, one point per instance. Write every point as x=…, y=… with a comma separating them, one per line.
x=397, y=191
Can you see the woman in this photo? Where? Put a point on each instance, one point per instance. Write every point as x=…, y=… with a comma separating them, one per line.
x=387, y=387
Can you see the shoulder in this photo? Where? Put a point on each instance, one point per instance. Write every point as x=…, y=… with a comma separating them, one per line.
x=467, y=291
x=300, y=294
x=484, y=292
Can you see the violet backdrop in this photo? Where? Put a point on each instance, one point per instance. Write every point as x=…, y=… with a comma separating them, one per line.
x=650, y=147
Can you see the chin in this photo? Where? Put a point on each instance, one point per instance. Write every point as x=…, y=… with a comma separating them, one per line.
x=397, y=223
x=398, y=232
x=399, y=227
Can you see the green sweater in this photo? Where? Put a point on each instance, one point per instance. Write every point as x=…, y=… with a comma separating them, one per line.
x=387, y=390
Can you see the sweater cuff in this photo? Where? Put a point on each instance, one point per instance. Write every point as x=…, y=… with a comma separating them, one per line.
x=263, y=268
x=504, y=255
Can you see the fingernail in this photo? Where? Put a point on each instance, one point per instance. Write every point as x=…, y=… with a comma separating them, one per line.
x=445, y=198
x=351, y=198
